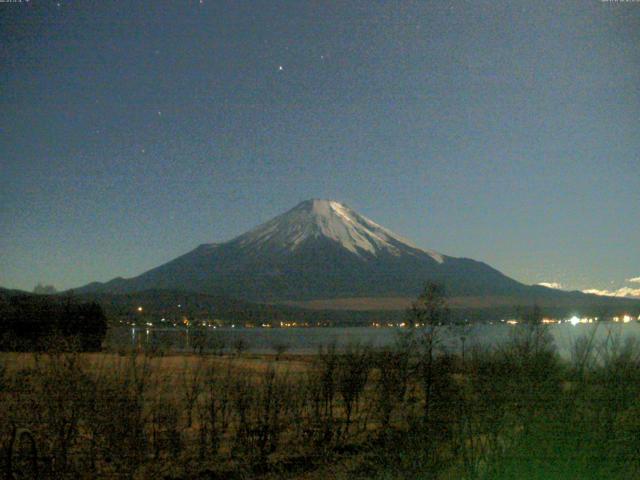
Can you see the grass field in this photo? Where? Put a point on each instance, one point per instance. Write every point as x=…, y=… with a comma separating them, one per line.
x=412, y=411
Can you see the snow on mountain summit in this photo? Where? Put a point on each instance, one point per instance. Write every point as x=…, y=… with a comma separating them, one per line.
x=324, y=250
x=333, y=220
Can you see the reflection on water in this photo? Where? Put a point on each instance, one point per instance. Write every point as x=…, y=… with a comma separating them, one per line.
x=309, y=340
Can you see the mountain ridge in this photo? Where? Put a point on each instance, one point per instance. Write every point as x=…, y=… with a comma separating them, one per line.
x=319, y=250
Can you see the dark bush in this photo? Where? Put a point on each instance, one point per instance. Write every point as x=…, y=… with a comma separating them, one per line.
x=33, y=323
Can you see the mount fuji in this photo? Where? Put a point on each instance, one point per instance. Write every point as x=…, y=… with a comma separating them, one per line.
x=322, y=250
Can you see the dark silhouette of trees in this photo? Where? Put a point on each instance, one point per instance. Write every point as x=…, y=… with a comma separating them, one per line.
x=430, y=312
x=30, y=323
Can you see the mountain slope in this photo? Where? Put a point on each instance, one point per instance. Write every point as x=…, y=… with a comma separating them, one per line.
x=322, y=249
x=334, y=221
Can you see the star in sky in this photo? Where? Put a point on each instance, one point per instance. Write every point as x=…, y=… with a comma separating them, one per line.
x=391, y=100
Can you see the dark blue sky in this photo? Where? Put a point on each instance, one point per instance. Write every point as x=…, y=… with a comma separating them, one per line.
x=508, y=132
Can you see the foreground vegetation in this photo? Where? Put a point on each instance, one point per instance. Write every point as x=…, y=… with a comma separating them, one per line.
x=516, y=411
x=413, y=411
x=37, y=322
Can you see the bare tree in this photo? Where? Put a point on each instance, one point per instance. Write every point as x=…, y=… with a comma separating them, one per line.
x=192, y=384
x=430, y=312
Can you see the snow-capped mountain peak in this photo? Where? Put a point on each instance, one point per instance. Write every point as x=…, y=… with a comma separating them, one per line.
x=324, y=250
x=332, y=220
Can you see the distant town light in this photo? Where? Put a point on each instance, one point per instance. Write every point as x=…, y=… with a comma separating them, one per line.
x=139, y=309
x=574, y=320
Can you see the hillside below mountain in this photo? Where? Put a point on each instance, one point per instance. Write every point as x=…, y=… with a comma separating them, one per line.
x=322, y=250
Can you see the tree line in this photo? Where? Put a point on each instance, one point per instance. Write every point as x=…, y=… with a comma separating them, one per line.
x=33, y=322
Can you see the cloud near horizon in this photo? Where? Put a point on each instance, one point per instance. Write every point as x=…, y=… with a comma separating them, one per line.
x=621, y=292
x=634, y=280
x=554, y=285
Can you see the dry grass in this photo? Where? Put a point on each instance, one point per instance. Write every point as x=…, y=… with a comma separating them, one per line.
x=359, y=414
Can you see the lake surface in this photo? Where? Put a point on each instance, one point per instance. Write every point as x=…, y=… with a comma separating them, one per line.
x=309, y=340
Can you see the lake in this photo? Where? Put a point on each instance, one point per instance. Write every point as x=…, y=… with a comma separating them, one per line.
x=309, y=340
